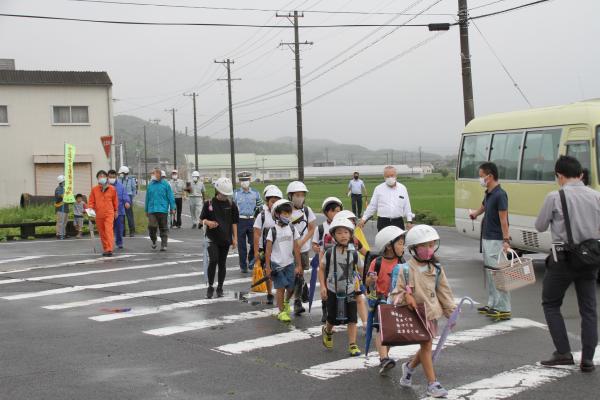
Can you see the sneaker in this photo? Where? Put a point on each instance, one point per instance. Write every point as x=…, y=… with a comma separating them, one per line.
x=587, y=366
x=559, y=359
x=407, y=373
x=219, y=292
x=244, y=270
x=354, y=350
x=298, y=308
x=436, y=390
x=284, y=316
x=385, y=365
x=154, y=244
x=120, y=247
x=483, y=310
x=270, y=298
x=209, y=292
x=107, y=254
x=499, y=315
x=327, y=338
x=286, y=307
x=163, y=247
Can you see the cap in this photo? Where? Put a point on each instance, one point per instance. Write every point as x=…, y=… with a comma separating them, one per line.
x=244, y=176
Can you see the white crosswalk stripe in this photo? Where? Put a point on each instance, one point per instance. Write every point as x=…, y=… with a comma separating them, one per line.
x=68, y=263
x=510, y=383
x=135, y=295
x=78, y=288
x=26, y=258
x=347, y=365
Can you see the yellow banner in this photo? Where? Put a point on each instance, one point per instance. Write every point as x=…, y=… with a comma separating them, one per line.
x=69, y=197
x=359, y=234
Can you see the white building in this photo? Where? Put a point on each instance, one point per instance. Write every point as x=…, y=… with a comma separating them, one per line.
x=262, y=166
x=363, y=170
x=40, y=111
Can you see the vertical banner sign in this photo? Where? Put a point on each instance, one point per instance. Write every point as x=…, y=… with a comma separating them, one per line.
x=106, y=143
x=69, y=159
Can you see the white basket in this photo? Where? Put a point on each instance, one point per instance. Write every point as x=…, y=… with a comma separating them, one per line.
x=513, y=274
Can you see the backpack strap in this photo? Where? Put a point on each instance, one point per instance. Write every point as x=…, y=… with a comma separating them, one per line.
x=273, y=234
x=405, y=271
x=438, y=273
x=327, y=261
x=378, y=262
x=565, y=210
x=321, y=232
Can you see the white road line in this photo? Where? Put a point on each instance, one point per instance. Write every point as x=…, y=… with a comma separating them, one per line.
x=138, y=312
x=68, y=264
x=347, y=365
x=20, y=259
x=135, y=295
x=515, y=381
x=80, y=288
x=97, y=271
x=170, y=240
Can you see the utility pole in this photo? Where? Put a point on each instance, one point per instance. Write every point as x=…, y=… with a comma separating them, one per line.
x=145, y=156
x=172, y=111
x=296, y=45
x=465, y=56
x=193, y=96
x=124, y=154
x=228, y=63
x=156, y=122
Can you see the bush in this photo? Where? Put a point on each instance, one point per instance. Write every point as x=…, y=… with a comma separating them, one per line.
x=426, y=217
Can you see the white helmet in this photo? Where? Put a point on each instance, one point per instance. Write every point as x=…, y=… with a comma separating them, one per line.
x=123, y=170
x=266, y=189
x=196, y=174
x=163, y=173
x=224, y=186
x=60, y=178
x=345, y=214
x=174, y=172
x=280, y=203
x=331, y=200
x=421, y=234
x=387, y=235
x=341, y=223
x=273, y=192
x=296, y=186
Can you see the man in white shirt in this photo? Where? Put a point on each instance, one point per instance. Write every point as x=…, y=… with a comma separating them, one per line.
x=391, y=203
x=356, y=189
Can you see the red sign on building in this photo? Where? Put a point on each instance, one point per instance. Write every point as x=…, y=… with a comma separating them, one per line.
x=106, y=143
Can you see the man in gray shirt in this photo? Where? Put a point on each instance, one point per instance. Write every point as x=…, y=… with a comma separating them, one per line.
x=583, y=205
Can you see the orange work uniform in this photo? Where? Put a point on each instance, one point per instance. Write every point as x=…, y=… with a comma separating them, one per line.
x=103, y=200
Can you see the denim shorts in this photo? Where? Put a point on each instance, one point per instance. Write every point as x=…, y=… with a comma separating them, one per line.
x=283, y=277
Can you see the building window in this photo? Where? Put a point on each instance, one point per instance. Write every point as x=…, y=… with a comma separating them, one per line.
x=71, y=115
x=3, y=115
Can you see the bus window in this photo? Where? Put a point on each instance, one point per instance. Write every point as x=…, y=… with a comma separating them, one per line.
x=474, y=152
x=581, y=151
x=505, y=152
x=539, y=155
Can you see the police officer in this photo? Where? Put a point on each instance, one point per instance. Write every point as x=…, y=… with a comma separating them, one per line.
x=247, y=201
x=562, y=266
x=390, y=201
x=196, y=194
x=130, y=184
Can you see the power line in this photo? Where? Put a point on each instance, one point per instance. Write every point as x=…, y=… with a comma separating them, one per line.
x=509, y=9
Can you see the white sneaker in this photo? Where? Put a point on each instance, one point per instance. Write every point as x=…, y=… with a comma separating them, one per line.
x=407, y=373
x=436, y=390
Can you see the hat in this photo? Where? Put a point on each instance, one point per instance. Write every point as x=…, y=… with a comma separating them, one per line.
x=244, y=176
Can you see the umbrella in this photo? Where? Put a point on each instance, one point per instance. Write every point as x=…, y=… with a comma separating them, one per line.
x=260, y=281
x=371, y=317
x=360, y=235
x=314, y=263
x=91, y=215
x=449, y=325
x=205, y=258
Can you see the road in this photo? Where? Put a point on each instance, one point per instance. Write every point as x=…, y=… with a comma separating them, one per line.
x=62, y=340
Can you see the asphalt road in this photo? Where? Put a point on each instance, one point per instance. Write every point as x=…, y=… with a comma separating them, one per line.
x=60, y=338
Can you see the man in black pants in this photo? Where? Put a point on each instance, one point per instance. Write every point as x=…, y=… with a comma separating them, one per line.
x=220, y=215
x=563, y=268
x=356, y=189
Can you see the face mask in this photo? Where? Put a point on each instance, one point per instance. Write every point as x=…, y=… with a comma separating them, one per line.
x=284, y=220
x=245, y=184
x=482, y=182
x=390, y=181
x=153, y=178
x=112, y=180
x=298, y=202
x=102, y=181
x=174, y=176
x=425, y=253
x=355, y=176
x=195, y=179
x=121, y=176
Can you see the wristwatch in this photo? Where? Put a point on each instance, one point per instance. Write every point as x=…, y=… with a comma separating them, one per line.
x=507, y=240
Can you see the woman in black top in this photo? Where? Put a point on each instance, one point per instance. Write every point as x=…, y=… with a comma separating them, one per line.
x=220, y=215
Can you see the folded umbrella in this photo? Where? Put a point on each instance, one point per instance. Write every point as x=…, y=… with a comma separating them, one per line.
x=370, y=319
x=314, y=263
x=449, y=325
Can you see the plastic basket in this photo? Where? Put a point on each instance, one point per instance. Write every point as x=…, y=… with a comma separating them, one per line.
x=513, y=274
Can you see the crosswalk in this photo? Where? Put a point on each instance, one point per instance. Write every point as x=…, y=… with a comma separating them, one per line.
x=161, y=312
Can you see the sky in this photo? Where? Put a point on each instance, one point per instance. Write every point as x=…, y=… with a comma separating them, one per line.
x=352, y=94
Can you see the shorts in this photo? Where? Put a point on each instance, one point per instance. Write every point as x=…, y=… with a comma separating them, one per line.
x=305, y=260
x=351, y=310
x=283, y=278
x=78, y=221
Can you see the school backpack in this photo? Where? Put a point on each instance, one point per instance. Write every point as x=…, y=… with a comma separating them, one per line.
x=304, y=218
x=274, y=234
x=328, y=260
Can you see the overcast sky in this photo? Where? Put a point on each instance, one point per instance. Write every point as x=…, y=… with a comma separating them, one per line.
x=550, y=49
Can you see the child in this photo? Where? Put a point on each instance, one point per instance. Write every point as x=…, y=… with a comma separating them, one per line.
x=282, y=249
x=321, y=240
x=263, y=222
x=422, y=280
x=389, y=242
x=304, y=221
x=337, y=278
x=78, y=210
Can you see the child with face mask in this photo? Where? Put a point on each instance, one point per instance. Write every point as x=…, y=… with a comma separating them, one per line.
x=282, y=257
x=423, y=281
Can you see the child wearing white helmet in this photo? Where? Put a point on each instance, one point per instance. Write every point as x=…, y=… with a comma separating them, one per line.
x=220, y=215
x=423, y=281
x=282, y=257
x=337, y=275
x=304, y=221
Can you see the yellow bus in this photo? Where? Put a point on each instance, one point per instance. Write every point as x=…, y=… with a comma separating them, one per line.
x=524, y=145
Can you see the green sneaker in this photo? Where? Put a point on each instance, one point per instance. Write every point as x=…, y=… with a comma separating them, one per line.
x=499, y=315
x=354, y=350
x=283, y=316
x=286, y=307
x=327, y=338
